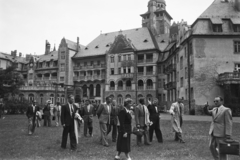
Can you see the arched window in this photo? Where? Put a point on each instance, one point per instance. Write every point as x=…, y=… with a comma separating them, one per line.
x=91, y=89
x=120, y=99
x=52, y=98
x=84, y=91
x=120, y=85
x=149, y=84
x=140, y=85
x=41, y=99
x=112, y=86
x=98, y=90
x=129, y=85
x=30, y=98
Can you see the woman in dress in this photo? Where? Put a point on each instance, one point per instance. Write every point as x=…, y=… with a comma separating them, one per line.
x=125, y=129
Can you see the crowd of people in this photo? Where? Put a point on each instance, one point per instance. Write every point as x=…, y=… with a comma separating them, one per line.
x=118, y=120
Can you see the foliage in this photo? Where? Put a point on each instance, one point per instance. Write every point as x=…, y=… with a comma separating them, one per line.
x=10, y=81
x=15, y=106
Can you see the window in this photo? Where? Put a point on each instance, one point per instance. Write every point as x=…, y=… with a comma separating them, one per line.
x=237, y=67
x=124, y=70
x=124, y=57
x=186, y=72
x=91, y=63
x=119, y=70
x=140, y=70
x=160, y=69
x=61, y=78
x=112, y=71
x=85, y=63
x=62, y=67
x=236, y=27
x=181, y=62
x=149, y=57
x=217, y=28
x=181, y=81
x=129, y=57
x=47, y=64
x=62, y=55
x=177, y=57
x=159, y=83
x=119, y=58
x=164, y=97
x=186, y=94
x=191, y=71
x=140, y=58
x=129, y=70
x=112, y=59
x=236, y=46
x=98, y=63
x=190, y=48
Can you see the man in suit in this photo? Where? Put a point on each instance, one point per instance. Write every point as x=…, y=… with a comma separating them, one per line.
x=113, y=121
x=154, y=118
x=221, y=127
x=142, y=121
x=87, y=112
x=67, y=120
x=175, y=111
x=47, y=114
x=31, y=114
x=103, y=114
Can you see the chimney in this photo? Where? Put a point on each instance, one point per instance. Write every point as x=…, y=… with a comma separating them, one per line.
x=237, y=5
x=20, y=54
x=14, y=53
x=47, y=48
x=78, y=46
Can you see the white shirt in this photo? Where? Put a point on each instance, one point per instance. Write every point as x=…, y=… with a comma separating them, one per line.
x=71, y=108
x=33, y=108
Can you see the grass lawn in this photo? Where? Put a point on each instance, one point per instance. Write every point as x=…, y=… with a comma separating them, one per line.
x=45, y=143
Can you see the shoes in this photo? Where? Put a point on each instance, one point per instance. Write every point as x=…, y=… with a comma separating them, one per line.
x=117, y=157
x=106, y=145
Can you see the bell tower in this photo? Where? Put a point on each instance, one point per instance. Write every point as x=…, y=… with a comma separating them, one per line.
x=157, y=19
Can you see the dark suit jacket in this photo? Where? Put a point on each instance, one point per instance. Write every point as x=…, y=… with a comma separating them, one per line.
x=66, y=117
x=46, y=110
x=114, y=115
x=104, y=114
x=88, y=116
x=154, y=115
x=30, y=112
x=125, y=120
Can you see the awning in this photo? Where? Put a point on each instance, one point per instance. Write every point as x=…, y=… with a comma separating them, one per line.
x=216, y=20
x=235, y=20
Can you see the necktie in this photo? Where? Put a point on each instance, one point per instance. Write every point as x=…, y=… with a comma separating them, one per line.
x=156, y=109
x=33, y=109
x=216, y=110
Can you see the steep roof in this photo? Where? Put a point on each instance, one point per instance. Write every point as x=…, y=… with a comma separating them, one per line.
x=220, y=9
x=51, y=56
x=12, y=59
x=140, y=38
x=72, y=45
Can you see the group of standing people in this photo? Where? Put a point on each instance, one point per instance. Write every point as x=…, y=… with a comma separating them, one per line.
x=118, y=120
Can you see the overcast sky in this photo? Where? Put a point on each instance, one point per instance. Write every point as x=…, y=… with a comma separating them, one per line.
x=25, y=25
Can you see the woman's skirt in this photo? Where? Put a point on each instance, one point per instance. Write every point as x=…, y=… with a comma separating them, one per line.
x=123, y=143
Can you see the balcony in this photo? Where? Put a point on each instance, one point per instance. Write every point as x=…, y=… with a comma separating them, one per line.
x=40, y=88
x=46, y=78
x=90, y=67
x=149, y=73
x=119, y=88
x=149, y=87
x=140, y=87
x=127, y=76
x=140, y=73
x=170, y=85
x=128, y=88
x=127, y=63
x=170, y=68
x=89, y=78
x=228, y=78
x=76, y=67
x=112, y=88
x=149, y=60
x=53, y=78
x=141, y=61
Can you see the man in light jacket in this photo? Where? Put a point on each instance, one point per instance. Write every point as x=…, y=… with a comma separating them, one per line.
x=221, y=127
x=142, y=121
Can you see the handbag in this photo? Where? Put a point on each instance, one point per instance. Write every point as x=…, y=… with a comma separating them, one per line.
x=229, y=146
x=137, y=131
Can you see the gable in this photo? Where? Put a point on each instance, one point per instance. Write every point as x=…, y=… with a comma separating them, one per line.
x=120, y=45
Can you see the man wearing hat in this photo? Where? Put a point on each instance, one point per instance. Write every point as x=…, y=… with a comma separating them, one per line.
x=31, y=114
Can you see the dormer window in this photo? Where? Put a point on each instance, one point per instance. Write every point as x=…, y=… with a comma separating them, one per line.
x=217, y=27
x=236, y=27
x=145, y=41
x=216, y=24
x=96, y=47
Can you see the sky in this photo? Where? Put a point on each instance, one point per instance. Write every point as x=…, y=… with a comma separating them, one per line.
x=25, y=25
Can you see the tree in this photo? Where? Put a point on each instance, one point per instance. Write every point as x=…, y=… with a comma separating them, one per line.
x=10, y=81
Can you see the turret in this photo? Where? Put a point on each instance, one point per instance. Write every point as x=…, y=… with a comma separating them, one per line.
x=47, y=47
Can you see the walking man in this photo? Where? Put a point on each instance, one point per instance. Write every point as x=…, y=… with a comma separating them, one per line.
x=113, y=121
x=31, y=114
x=103, y=114
x=175, y=111
x=87, y=112
x=221, y=127
x=155, y=119
x=67, y=119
